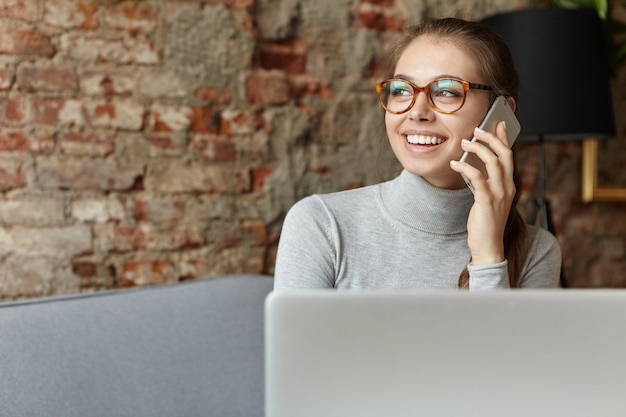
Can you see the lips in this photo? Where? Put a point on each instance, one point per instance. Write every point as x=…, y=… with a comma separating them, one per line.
x=424, y=140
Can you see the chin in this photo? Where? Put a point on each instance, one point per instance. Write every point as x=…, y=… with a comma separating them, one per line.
x=437, y=179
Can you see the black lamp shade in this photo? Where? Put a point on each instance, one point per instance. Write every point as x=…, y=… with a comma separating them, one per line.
x=564, y=77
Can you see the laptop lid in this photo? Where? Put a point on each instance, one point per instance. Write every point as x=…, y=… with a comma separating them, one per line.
x=522, y=353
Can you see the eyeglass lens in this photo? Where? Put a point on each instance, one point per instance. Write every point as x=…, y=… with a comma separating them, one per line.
x=446, y=95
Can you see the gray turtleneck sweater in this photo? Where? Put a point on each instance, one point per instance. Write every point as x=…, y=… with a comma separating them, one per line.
x=404, y=233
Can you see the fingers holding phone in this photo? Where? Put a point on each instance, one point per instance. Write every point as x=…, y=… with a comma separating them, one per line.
x=495, y=167
x=493, y=196
x=499, y=116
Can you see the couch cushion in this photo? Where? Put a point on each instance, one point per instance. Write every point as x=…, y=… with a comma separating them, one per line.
x=189, y=349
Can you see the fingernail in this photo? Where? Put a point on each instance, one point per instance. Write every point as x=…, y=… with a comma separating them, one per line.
x=479, y=130
x=504, y=124
x=454, y=163
x=466, y=141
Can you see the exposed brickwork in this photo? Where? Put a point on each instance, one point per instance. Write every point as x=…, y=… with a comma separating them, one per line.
x=150, y=142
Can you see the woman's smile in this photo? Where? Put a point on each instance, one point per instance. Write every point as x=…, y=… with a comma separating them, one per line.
x=424, y=140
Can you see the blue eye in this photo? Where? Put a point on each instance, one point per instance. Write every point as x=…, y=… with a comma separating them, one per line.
x=399, y=88
x=447, y=89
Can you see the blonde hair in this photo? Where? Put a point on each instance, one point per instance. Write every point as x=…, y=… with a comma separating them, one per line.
x=498, y=70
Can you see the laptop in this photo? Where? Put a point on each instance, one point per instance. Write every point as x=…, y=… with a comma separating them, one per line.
x=520, y=353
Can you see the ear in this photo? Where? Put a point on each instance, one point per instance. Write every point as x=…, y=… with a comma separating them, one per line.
x=512, y=103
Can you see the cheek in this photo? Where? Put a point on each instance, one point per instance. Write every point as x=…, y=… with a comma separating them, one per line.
x=392, y=121
x=465, y=129
x=478, y=113
x=464, y=126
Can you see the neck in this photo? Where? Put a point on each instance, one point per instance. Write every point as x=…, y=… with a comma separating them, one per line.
x=418, y=204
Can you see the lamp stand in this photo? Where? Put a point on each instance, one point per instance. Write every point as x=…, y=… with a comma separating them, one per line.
x=541, y=207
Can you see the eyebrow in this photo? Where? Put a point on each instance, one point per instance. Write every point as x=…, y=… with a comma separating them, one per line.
x=409, y=78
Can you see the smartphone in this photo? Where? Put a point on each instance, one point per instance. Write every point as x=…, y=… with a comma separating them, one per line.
x=498, y=112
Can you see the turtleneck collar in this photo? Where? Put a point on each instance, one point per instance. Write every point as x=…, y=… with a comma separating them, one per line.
x=416, y=203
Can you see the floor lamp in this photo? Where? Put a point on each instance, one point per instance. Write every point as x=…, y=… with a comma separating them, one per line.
x=564, y=82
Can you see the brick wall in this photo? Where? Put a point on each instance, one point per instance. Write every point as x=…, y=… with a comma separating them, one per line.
x=149, y=142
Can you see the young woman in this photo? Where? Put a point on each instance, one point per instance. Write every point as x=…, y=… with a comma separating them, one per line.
x=425, y=228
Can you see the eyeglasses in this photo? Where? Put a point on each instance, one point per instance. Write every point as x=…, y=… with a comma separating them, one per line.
x=445, y=95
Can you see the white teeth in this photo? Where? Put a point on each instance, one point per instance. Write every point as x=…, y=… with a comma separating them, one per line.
x=423, y=140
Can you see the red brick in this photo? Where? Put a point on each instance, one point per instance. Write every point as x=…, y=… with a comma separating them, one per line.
x=288, y=62
x=13, y=141
x=380, y=21
x=237, y=122
x=268, y=88
x=76, y=14
x=226, y=127
x=162, y=141
x=124, y=238
x=12, y=111
x=241, y=119
x=107, y=82
x=205, y=120
x=382, y=3
x=98, y=209
x=118, y=238
x=85, y=269
x=258, y=178
x=40, y=140
x=159, y=125
x=241, y=4
x=215, y=96
x=307, y=85
x=164, y=118
x=209, y=263
x=261, y=124
x=140, y=213
x=147, y=272
x=125, y=50
x=102, y=109
x=88, y=173
x=11, y=175
x=254, y=147
x=223, y=234
x=108, y=87
x=46, y=77
x=25, y=42
x=185, y=236
x=88, y=143
x=46, y=111
x=6, y=78
x=224, y=151
x=89, y=11
x=178, y=176
x=116, y=113
x=159, y=209
x=287, y=56
x=256, y=231
x=215, y=148
x=134, y=17
x=19, y=9
x=323, y=170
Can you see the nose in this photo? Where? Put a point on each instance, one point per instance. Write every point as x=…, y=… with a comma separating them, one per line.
x=422, y=109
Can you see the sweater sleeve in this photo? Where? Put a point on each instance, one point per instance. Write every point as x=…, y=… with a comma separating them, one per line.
x=306, y=256
x=485, y=277
x=543, y=268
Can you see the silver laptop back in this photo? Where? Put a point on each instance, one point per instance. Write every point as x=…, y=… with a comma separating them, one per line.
x=540, y=353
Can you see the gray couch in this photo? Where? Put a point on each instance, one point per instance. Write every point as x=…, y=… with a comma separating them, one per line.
x=188, y=349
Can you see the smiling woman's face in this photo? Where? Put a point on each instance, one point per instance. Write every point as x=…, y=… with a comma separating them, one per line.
x=424, y=60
